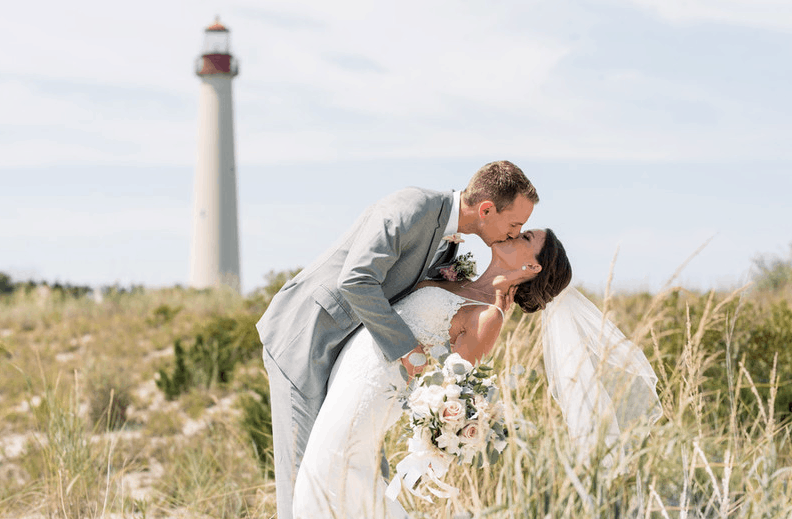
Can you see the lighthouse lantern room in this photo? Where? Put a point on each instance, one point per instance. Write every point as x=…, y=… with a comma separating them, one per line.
x=216, y=56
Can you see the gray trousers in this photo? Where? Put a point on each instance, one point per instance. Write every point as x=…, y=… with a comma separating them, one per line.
x=293, y=416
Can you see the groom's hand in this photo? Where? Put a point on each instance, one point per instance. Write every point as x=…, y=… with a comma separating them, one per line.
x=412, y=369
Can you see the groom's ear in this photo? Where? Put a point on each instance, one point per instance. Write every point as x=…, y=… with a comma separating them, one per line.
x=485, y=208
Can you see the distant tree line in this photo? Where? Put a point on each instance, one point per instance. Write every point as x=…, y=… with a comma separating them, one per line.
x=770, y=273
x=9, y=286
x=773, y=273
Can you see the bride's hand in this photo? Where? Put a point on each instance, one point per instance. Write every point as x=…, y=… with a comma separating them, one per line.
x=504, y=297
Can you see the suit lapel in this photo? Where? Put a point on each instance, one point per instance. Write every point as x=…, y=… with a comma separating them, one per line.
x=442, y=220
x=450, y=254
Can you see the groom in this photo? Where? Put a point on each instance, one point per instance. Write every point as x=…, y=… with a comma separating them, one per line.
x=396, y=243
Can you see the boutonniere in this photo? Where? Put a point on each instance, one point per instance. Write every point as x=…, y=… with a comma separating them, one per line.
x=463, y=268
x=454, y=238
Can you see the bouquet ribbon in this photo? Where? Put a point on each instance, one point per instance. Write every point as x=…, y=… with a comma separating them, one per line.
x=415, y=466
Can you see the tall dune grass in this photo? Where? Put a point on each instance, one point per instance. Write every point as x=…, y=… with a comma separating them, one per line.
x=694, y=463
x=722, y=448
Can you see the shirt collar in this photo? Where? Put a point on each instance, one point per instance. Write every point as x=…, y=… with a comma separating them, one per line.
x=453, y=221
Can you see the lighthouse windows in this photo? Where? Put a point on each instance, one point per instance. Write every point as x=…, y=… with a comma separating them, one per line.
x=216, y=42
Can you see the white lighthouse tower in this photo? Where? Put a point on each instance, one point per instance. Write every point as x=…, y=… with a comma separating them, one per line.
x=215, y=242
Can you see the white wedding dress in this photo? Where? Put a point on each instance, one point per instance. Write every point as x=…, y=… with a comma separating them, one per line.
x=340, y=476
x=598, y=377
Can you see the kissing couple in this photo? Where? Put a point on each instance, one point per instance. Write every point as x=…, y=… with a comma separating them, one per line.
x=336, y=336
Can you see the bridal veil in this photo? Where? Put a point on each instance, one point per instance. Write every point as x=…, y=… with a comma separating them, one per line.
x=600, y=379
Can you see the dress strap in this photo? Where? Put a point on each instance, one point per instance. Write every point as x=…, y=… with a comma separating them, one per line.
x=473, y=302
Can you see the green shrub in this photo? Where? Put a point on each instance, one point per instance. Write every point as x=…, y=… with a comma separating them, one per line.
x=181, y=379
x=772, y=273
x=216, y=349
x=163, y=314
x=772, y=336
x=6, y=285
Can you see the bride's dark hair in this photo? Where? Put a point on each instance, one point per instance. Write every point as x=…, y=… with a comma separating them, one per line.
x=556, y=273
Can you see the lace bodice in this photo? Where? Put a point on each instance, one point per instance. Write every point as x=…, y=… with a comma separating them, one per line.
x=428, y=312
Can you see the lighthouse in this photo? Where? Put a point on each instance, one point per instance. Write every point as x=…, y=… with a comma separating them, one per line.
x=214, y=258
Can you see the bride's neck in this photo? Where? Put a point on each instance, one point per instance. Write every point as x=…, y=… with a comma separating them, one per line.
x=493, y=278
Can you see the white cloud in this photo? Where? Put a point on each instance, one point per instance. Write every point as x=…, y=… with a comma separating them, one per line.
x=765, y=14
x=344, y=80
x=90, y=216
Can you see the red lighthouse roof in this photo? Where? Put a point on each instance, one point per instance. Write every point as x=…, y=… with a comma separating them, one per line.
x=217, y=26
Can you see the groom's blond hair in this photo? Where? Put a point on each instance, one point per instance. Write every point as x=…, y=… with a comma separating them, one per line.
x=499, y=182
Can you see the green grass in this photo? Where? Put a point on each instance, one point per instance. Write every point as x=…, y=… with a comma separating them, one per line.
x=722, y=448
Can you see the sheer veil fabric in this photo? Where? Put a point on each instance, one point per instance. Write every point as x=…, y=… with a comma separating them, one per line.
x=600, y=379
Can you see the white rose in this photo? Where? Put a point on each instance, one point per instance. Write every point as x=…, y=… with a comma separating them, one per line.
x=453, y=392
x=426, y=399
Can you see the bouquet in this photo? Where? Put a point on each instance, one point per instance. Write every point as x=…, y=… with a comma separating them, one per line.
x=463, y=268
x=455, y=416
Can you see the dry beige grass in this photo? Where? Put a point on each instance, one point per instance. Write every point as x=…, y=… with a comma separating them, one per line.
x=716, y=453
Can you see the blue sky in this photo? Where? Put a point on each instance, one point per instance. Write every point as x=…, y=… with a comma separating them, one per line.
x=646, y=125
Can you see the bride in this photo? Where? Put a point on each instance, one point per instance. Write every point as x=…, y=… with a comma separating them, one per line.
x=340, y=475
x=340, y=472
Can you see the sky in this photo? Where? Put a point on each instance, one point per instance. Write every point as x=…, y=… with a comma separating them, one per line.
x=649, y=127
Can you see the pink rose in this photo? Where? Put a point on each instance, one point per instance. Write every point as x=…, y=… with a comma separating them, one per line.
x=453, y=413
x=469, y=433
x=448, y=273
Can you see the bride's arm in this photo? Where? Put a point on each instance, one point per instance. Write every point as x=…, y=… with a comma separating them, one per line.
x=479, y=332
x=481, y=329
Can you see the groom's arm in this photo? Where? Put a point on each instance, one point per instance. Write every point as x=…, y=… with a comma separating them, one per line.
x=379, y=243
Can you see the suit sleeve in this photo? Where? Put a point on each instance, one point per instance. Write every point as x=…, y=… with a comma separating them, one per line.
x=377, y=246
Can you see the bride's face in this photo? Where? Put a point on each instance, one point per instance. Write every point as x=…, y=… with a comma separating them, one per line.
x=519, y=251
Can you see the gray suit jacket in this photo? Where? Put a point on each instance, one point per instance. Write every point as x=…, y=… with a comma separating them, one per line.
x=377, y=262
